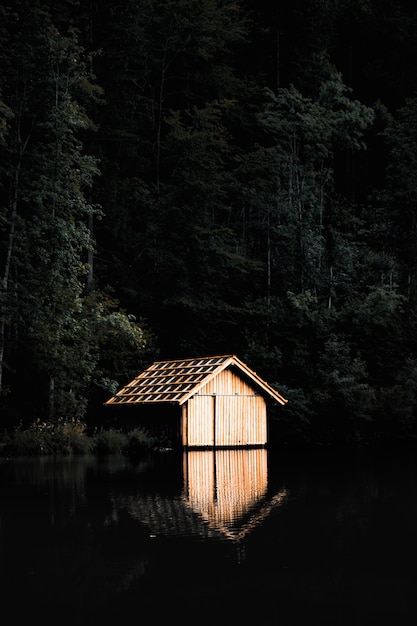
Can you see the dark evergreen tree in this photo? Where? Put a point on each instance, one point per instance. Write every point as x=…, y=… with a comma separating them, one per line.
x=46, y=327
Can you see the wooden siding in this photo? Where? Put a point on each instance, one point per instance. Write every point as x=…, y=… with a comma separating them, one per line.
x=226, y=412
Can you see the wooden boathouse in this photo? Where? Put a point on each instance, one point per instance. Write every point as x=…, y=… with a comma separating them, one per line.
x=208, y=402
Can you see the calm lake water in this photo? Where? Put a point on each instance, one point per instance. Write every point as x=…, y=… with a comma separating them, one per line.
x=226, y=537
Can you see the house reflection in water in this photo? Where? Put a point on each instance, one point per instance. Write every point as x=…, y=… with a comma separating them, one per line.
x=225, y=496
x=228, y=489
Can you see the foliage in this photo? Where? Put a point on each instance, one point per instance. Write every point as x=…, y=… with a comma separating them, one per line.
x=68, y=437
x=202, y=177
x=119, y=344
x=49, y=318
x=58, y=437
x=343, y=399
x=293, y=425
x=139, y=440
x=110, y=441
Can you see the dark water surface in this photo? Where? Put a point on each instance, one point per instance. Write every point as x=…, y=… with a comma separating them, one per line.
x=232, y=537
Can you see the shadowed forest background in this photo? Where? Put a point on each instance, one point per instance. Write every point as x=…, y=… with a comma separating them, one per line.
x=194, y=177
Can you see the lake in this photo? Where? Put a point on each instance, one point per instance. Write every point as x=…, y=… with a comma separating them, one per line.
x=227, y=537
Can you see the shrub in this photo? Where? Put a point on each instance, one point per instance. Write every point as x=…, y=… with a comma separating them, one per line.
x=70, y=437
x=58, y=437
x=139, y=440
x=27, y=442
x=110, y=441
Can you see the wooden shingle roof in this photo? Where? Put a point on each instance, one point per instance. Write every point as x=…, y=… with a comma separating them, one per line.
x=176, y=381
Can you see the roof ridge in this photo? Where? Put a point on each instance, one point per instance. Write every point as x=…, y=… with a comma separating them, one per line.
x=197, y=358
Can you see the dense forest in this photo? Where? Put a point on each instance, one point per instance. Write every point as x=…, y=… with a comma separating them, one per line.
x=180, y=178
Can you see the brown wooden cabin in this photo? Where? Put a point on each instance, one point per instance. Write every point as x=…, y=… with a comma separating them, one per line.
x=206, y=402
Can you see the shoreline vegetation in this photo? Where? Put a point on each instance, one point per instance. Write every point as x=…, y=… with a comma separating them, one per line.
x=70, y=437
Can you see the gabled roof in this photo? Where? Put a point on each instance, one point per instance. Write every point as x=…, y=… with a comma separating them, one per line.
x=176, y=381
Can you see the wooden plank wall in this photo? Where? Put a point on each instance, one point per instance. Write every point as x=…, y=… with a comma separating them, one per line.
x=240, y=416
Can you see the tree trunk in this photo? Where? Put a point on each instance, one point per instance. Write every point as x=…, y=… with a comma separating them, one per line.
x=7, y=266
